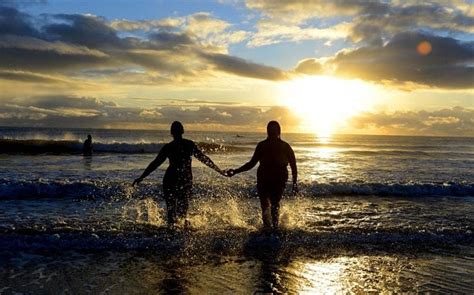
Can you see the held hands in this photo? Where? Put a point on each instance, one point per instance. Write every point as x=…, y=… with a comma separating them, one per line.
x=221, y=172
x=229, y=172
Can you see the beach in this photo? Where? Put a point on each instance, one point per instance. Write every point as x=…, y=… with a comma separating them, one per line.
x=374, y=214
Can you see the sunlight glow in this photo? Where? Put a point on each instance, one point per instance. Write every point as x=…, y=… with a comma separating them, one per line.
x=324, y=164
x=322, y=277
x=325, y=103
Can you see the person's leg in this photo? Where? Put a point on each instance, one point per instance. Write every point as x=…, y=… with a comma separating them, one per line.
x=171, y=204
x=264, y=197
x=183, y=201
x=275, y=202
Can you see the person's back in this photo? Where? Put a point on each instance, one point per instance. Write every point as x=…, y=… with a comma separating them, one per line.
x=179, y=153
x=274, y=155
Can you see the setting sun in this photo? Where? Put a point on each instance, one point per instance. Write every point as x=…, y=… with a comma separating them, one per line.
x=325, y=103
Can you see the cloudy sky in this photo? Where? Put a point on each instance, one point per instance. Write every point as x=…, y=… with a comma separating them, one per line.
x=347, y=66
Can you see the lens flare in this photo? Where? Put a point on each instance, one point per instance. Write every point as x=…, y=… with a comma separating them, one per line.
x=424, y=48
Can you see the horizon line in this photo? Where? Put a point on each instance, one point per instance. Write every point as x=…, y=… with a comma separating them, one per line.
x=239, y=132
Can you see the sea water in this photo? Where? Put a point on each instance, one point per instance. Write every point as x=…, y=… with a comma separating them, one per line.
x=374, y=214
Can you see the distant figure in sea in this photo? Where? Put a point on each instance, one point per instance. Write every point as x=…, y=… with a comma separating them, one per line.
x=178, y=179
x=87, y=147
x=274, y=156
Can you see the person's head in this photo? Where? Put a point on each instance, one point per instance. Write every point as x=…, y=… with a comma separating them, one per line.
x=177, y=129
x=273, y=129
x=89, y=136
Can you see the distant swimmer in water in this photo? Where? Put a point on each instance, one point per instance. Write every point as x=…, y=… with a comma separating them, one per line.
x=274, y=156
x=178, y=179
x=87, y=147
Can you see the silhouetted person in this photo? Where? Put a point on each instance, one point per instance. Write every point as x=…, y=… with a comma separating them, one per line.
x=178, y=179
x=274, y=155
x=87, y=147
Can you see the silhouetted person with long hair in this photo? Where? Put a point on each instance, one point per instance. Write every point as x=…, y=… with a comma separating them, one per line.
x=87, y=147
x=274, y=156
x=178, y=179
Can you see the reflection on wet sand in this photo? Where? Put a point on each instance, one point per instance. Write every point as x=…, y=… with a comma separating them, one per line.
x=138, y=273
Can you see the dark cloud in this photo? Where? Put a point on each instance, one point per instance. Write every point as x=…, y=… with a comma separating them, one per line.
x=448, y=65
x=67, y=111
x=456, y=121
x=28, y=77
x=242, y=67
x=72, y=44
x=90, y=31
x=169, y=40
x=162, y=63
x=32, y=54
x=15, y=23
x=368, y=32
x=374, y=27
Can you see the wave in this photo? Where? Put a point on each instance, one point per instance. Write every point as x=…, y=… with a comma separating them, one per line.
x=408, y=153
x=34, y=146
x=230, y=241
x=389, y=153
x=101, y=189
x=393, y=189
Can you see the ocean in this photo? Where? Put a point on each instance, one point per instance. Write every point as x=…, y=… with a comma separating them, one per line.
x=374, y=214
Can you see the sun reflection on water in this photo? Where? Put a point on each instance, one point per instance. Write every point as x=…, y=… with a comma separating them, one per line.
x=326, y=152
x=324, y=162
x=323, y=139
x=321, y=277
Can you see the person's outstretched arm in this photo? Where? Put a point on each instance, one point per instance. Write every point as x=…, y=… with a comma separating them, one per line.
x=206, y=160
x=152, y=166
x=294, y=169
x=250, y=164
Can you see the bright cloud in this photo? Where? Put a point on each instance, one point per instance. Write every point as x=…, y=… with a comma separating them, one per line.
x=229, y=59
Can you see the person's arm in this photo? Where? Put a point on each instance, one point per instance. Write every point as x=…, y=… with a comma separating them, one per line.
x=162, y=155
x=249, y=165
x=294, y=169
x=206, y=160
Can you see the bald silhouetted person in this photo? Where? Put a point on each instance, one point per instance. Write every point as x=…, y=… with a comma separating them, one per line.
x=178, y=179
x=274, y=156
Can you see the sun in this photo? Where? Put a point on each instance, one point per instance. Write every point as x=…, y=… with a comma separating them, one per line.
x=325, y=103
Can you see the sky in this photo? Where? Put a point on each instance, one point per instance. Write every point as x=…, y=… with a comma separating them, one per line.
x=340, y=66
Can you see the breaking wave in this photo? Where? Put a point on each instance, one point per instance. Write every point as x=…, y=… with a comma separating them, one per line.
x=101, y=189
x=35, y=146
x=229, y=241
